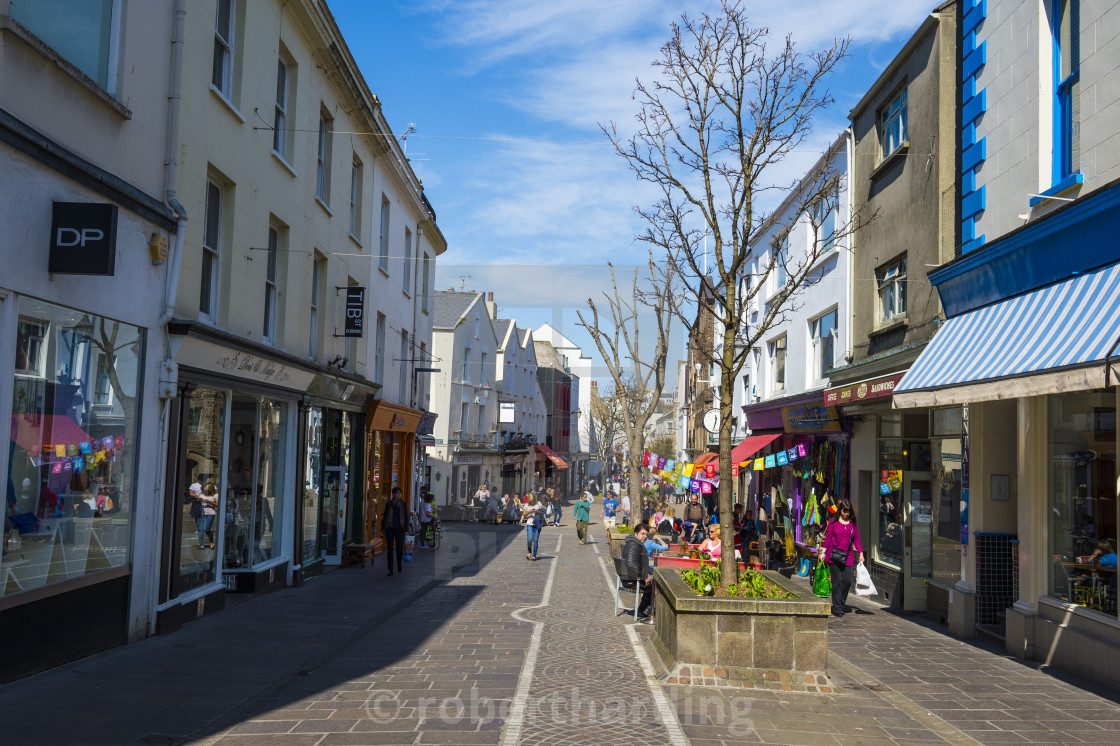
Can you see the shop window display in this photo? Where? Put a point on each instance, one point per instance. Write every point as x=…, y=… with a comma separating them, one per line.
x=255, y=472
x=198, y=560
x=311, y=487
x=1083, y=507
x=70, y=488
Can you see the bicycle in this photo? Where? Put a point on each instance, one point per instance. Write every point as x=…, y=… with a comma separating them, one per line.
x=430, y=536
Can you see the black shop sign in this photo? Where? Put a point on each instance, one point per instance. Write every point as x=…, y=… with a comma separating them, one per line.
x=355, y=312
x=83, y=238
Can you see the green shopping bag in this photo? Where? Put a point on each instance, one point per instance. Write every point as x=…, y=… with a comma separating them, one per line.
x=822, y=581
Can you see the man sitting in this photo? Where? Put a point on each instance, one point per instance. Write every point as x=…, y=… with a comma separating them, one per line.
x=636, y=559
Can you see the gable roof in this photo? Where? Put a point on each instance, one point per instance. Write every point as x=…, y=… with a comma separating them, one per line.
x=450, y=307
x=501, y=331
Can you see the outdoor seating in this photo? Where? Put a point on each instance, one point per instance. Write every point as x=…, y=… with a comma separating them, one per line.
x=626, y=582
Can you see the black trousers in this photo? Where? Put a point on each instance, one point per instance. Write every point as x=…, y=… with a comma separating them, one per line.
x=842, y=578
x=647, y=598
x=394, y=543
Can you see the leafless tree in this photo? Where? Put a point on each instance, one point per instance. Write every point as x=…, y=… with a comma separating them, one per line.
x=605, y=430
x=725, y=110
x=638, y=374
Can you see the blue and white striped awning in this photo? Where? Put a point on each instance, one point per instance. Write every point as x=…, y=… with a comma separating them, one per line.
x=1068, y=325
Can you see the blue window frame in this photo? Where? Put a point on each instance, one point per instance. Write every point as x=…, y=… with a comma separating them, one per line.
x=1065, y=24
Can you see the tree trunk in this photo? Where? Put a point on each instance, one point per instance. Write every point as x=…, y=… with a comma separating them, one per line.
x=729, y=571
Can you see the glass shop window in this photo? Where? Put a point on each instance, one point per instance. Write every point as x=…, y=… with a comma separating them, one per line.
x=1083, y=505
x=71, y=474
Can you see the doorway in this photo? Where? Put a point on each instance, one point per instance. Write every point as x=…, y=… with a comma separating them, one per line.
x=917, y=559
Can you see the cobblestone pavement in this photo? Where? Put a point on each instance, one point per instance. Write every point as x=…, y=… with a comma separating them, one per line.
x=472, y=644
x=902, y=681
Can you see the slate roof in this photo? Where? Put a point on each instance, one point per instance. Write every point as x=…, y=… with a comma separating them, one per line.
x=501, y=328
x=450, y=307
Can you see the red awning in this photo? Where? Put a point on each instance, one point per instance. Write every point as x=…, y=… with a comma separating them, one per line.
x=705, y=458
x=551, y=455
x=31, y=432
x=749, y=447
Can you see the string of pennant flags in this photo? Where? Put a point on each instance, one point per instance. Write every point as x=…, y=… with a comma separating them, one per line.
x=77, y=457
x=702, y=478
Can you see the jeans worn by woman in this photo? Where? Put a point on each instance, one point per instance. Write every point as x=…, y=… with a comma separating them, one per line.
x=532, y=539
x=205, y=526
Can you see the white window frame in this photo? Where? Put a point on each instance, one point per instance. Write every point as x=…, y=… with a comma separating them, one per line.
x=38, y=330
x=817, y=371
x=317, y=274
x=824, y=209
x=379, y=350
x=271, y=292
x=778, y=345
x=407, y=264
x=779, y=252
x=383, y=238
x=221, y=76
x=212, y=251
x=424, y=293
x=356, y=172
x=891, y=295
x=280, y=116
x=323, y=160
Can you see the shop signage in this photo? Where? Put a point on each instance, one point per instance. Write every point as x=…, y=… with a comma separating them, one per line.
x=355, y=312
x=83, y=238
x=203, y=355
x=862, y=391
x=813, y=418
x=507, y=412
x=466, y=459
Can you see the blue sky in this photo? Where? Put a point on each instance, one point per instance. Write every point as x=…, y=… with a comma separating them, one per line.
x=506, y=97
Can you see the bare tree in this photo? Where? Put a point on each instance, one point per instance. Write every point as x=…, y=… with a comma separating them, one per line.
x=605, y=429
x=725, y=110
x=638, y=374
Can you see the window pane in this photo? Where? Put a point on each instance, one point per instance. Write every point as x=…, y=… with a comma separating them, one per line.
x=206, y=300
x=71, y=491
x=269, y=510
x=203, y=477
x=213, y=230
x=312, y=468
x=1083, y=514
x=79, y=30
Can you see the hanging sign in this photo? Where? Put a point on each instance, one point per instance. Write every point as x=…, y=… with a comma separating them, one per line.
x=645, y=458
x=734, y=470
x=759, y=464
x=710, y=470
x=355, y=312
x=771, y=461
x=783, y=458
x=83, y=238
x=792, y=453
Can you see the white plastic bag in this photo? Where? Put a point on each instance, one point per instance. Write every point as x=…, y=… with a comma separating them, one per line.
x=864, y=586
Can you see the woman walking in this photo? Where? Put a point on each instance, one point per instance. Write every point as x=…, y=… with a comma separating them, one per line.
x=204, y=524
x=532, y=515
x=841, y=542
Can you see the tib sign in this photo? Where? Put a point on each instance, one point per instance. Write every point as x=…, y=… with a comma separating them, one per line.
x=355, y=311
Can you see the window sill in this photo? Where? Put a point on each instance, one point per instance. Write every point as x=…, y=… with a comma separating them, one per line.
x=323, y=204
x=382, y=270
x=287, y=167
x=228, y=104
x=9, y=25
x=1068, y=184
x=355, y=240
x=894, y=324
x=887, y=162
x=406, y=295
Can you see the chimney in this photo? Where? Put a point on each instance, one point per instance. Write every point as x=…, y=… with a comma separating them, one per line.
x=490, y=296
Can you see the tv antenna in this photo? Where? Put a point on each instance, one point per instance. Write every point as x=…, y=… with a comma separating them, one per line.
x=463, y=283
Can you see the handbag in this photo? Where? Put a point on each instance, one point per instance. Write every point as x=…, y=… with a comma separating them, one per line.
x=196, y=510
x=837, y=557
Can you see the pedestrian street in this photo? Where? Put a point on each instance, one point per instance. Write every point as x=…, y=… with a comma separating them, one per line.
x=473, y=644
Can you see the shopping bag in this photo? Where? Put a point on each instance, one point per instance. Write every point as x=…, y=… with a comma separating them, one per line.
x=409, y=544
x=864, y=586
x=822, y=581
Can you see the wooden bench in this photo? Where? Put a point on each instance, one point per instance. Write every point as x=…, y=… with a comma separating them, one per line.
x=355, y=553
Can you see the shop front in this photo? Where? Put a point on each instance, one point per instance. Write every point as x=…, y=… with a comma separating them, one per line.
x=392, y=460
x=73, y=461
x=271, y=440
x=550, y=469
x=1028, y=355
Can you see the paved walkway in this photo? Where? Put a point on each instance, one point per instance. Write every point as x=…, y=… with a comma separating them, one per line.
x=472, y=644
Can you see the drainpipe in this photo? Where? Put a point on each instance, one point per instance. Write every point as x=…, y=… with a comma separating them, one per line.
x=171, y=279
x=171, y=165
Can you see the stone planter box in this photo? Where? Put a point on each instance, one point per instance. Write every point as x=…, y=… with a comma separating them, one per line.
x=741, y=640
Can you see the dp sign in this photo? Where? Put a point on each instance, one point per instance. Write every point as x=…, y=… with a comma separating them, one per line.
x=83, y=238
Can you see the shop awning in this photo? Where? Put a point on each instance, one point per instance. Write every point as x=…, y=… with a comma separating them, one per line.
x=705, y=458
x=33, y=432
x=748, y=447
x=1052, y=339
x=551, y=456
x=425, y=440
